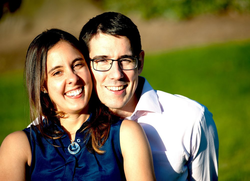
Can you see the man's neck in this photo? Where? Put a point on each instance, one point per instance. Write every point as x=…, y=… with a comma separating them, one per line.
x=138, y=91
x=121, y=113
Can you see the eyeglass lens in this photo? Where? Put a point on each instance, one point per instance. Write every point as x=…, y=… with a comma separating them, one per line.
x=106, y=64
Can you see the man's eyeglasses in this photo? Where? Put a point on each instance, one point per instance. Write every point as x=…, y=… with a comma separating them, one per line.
x=125, y=63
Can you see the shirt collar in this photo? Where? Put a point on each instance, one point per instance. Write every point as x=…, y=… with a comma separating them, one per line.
x=148, y=101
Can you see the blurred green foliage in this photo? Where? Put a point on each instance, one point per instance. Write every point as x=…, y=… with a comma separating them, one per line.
x=14, y=110
x=217, y=76
x=174, y=9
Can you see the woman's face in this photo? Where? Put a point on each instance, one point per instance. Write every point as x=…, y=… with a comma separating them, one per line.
x=69, y=83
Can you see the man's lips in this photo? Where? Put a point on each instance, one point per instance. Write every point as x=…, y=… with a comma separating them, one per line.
x=75, y=92
x=116, y=88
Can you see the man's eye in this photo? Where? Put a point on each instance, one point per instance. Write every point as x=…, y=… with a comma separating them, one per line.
x=101, y=61
x=126, y=60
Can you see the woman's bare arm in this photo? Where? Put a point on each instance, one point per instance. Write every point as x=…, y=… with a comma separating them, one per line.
x=15, y=154
x=138, y=164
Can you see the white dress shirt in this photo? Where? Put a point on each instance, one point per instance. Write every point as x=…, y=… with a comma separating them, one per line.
x=181, y=133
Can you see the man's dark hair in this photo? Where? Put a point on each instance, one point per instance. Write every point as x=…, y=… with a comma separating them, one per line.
x=115, y=24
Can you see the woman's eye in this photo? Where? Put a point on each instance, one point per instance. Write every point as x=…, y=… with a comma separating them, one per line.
x=57, y=73
x=78, y=65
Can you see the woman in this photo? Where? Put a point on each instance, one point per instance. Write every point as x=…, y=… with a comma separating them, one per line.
x=77, y=138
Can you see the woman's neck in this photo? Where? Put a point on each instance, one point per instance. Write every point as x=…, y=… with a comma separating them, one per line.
x=71, y=123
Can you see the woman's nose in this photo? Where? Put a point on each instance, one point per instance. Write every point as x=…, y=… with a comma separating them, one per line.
x=72, y=77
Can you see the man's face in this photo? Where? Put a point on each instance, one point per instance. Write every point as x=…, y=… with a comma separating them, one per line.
x=115, y=87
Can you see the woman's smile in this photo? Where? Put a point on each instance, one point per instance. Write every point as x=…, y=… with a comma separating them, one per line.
x=74, y=93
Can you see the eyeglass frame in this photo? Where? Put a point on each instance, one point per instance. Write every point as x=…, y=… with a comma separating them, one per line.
x=134, y=57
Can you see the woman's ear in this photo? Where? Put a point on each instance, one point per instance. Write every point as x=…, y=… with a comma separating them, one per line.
x=43, y=89
x=141, y=62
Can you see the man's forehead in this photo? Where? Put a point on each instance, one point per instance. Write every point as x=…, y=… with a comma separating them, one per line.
x=107, y=45
x=104, y=37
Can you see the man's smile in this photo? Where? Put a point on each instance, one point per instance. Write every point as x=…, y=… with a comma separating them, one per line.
x=116, y=88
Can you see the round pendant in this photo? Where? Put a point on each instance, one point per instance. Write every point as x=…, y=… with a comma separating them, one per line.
x=74, y=148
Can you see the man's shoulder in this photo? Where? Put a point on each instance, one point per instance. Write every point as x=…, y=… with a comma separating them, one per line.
x=172, y=103
x=176, y=98
x=179, y=103
x=183, y=111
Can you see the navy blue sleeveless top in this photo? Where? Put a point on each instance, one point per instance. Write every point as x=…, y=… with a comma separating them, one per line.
x=51, y=159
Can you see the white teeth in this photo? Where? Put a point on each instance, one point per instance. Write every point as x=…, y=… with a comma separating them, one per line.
x=74, y=93
x=115, y=88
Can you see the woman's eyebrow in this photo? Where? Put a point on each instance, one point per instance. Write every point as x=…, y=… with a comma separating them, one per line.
x=77, y=59
x=54, y=68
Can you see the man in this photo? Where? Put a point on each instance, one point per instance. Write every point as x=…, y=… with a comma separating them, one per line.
x=181, y=132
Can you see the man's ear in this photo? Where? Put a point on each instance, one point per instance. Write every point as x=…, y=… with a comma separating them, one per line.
x=141, y=62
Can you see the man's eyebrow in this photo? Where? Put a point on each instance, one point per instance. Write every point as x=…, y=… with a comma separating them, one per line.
x=126, y=56
x=99, y=57
x=106, y=57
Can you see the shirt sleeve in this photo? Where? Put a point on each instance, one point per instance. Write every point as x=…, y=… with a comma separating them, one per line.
x=203, y=163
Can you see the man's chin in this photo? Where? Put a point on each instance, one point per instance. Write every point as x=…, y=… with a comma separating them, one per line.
x=114, y=106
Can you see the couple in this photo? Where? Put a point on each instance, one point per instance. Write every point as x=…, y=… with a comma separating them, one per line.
x=79, y=138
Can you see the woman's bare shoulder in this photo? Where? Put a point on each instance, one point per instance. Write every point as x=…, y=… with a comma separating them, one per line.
x=130, y=126
x=15, y=139
x=15, y=154
x=131, y=132
x=138, y=163
x=15, y=144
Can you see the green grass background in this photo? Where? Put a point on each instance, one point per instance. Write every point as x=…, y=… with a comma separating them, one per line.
x=217, y=76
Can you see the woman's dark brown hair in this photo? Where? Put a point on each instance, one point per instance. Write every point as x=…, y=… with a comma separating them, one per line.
x=41, y=106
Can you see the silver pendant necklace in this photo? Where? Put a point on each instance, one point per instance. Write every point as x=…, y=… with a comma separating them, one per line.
x=74, y=148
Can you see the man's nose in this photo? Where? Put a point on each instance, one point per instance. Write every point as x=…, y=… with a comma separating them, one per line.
x=115, y=71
